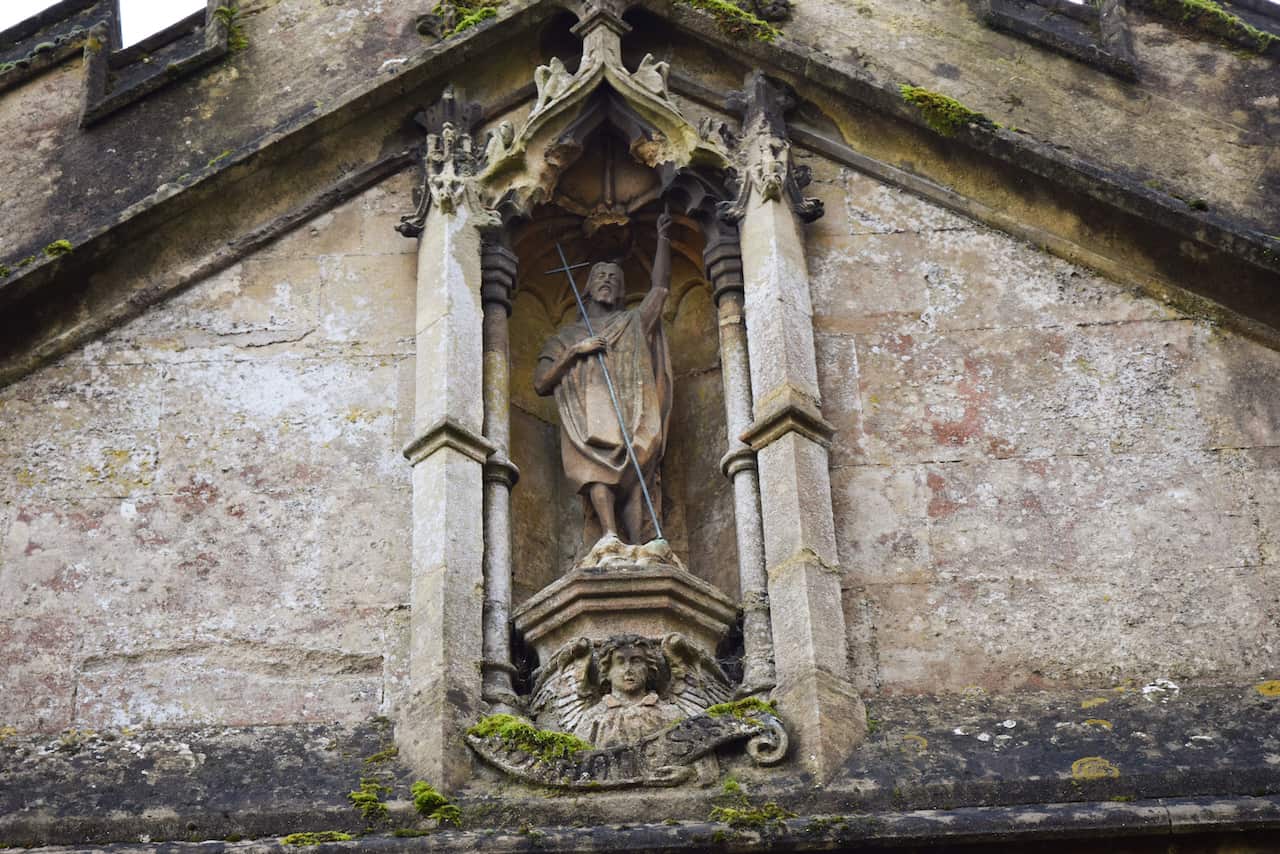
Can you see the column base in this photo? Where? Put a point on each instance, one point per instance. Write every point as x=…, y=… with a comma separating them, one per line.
x=826, y=720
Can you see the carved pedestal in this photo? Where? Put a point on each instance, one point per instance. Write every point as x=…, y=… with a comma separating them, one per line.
x=599, y=602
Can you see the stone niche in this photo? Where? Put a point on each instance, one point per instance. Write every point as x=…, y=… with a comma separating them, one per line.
x=604, y=209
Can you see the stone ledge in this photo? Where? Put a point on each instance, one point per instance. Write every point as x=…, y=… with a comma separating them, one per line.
x=922, y=775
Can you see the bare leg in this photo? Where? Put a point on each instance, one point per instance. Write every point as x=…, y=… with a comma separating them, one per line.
x=634, y=515
x=601, y=498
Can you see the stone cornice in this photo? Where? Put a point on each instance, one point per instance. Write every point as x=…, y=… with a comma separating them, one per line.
x=447, y=433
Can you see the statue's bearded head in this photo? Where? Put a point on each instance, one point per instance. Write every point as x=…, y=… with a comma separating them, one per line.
x=606, y=284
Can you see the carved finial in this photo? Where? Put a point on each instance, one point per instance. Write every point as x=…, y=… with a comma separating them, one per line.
x=449, y=159
x=764, y=151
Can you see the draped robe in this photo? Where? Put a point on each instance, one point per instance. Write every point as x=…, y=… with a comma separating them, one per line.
x=591, y=445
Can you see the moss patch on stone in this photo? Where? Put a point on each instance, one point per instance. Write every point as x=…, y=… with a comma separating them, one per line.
x=431, y=804
x=318, y=837
x=475, y=16
x=744, y=710
x=382, y=756
x=546, y=745
x=57, y=248
x=736, y=21
x=368, y=799
x=1207, y=16
x=236, y=38
x=944, y=115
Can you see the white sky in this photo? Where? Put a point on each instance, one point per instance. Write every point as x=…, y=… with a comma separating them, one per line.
x=138, y=18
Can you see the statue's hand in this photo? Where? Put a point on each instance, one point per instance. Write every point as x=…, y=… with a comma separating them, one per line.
x=664, y=223
x=587, y=346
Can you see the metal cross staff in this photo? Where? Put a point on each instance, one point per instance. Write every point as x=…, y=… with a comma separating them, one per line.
x=568, y=269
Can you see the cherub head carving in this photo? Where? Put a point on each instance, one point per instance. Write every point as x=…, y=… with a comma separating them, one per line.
x=631, y=666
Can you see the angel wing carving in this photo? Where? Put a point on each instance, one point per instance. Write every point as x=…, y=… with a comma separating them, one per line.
x=565, y=687
x=697, y=682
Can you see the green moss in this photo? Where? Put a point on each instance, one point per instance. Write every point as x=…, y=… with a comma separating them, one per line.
x=408, y=832
x=475, y=16
x=1198, y=205
x=6, y=67
x=735, y=21
x=383, y=756
x=546, y=745
x=945, y=115
x=30, y=259
x=732, y=786
x=1209, y=17
x=747, y=816
x=236, y=38
x=4, y=271
x=221, y=157
x=873, y=725
x=744, y=710
x=431, y=804
x=316, y=838
x=368, y=799
x=58, y=247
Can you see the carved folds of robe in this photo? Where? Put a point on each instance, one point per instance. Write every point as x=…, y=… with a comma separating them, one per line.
x=591, y=444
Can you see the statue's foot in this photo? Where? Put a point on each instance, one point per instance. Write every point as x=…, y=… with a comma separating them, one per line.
x=658, y=551
x=608, y=546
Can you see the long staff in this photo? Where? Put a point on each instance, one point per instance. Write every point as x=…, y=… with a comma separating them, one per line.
x=613, y=395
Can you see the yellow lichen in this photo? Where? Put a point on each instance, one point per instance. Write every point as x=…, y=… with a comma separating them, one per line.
x=1092, y=702
x=1270, y=688
x=1098, y=722
x=1093, y=768
x=919, y=742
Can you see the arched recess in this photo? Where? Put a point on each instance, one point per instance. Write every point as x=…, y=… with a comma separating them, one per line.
x=603, y=207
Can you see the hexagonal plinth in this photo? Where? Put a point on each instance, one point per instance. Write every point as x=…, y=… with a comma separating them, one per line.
x=599, y=602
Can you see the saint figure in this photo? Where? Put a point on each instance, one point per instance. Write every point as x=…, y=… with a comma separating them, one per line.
x=592, y=447
x=632, y=709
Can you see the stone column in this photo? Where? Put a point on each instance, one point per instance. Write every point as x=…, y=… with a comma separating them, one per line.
x=448, y=454
x=723, y=262
x=790, y=438
x=498, y=272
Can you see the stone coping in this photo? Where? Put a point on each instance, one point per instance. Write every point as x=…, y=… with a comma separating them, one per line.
x=1152, y=762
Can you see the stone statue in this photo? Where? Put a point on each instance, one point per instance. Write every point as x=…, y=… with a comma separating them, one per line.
x=630, y=668
x=592, y=449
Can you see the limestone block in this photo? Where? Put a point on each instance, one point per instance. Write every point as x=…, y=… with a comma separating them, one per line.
x=367, y=302
x=841, y=389
x=1262, y=485
x=882, y=526
x=1142, y=516
x=912, y=277
x=1007, y=634
x=796, y=501
x=431, y=728
x=226, y=684
x=280, y=424
x=1118, y=388
x=82, y=430
x=36, y=665
x=804, y=603
x=1236, y=383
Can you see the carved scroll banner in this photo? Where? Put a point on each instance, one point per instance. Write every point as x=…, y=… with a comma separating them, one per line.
x=665, y=758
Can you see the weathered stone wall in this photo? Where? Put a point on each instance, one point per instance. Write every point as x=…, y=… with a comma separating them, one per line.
x=205, y=513
x=1041, y=479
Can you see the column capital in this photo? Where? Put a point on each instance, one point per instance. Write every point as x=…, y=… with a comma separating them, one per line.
x=763, y=152
x=722, y=260
x=498, y=267
x=450, y=162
